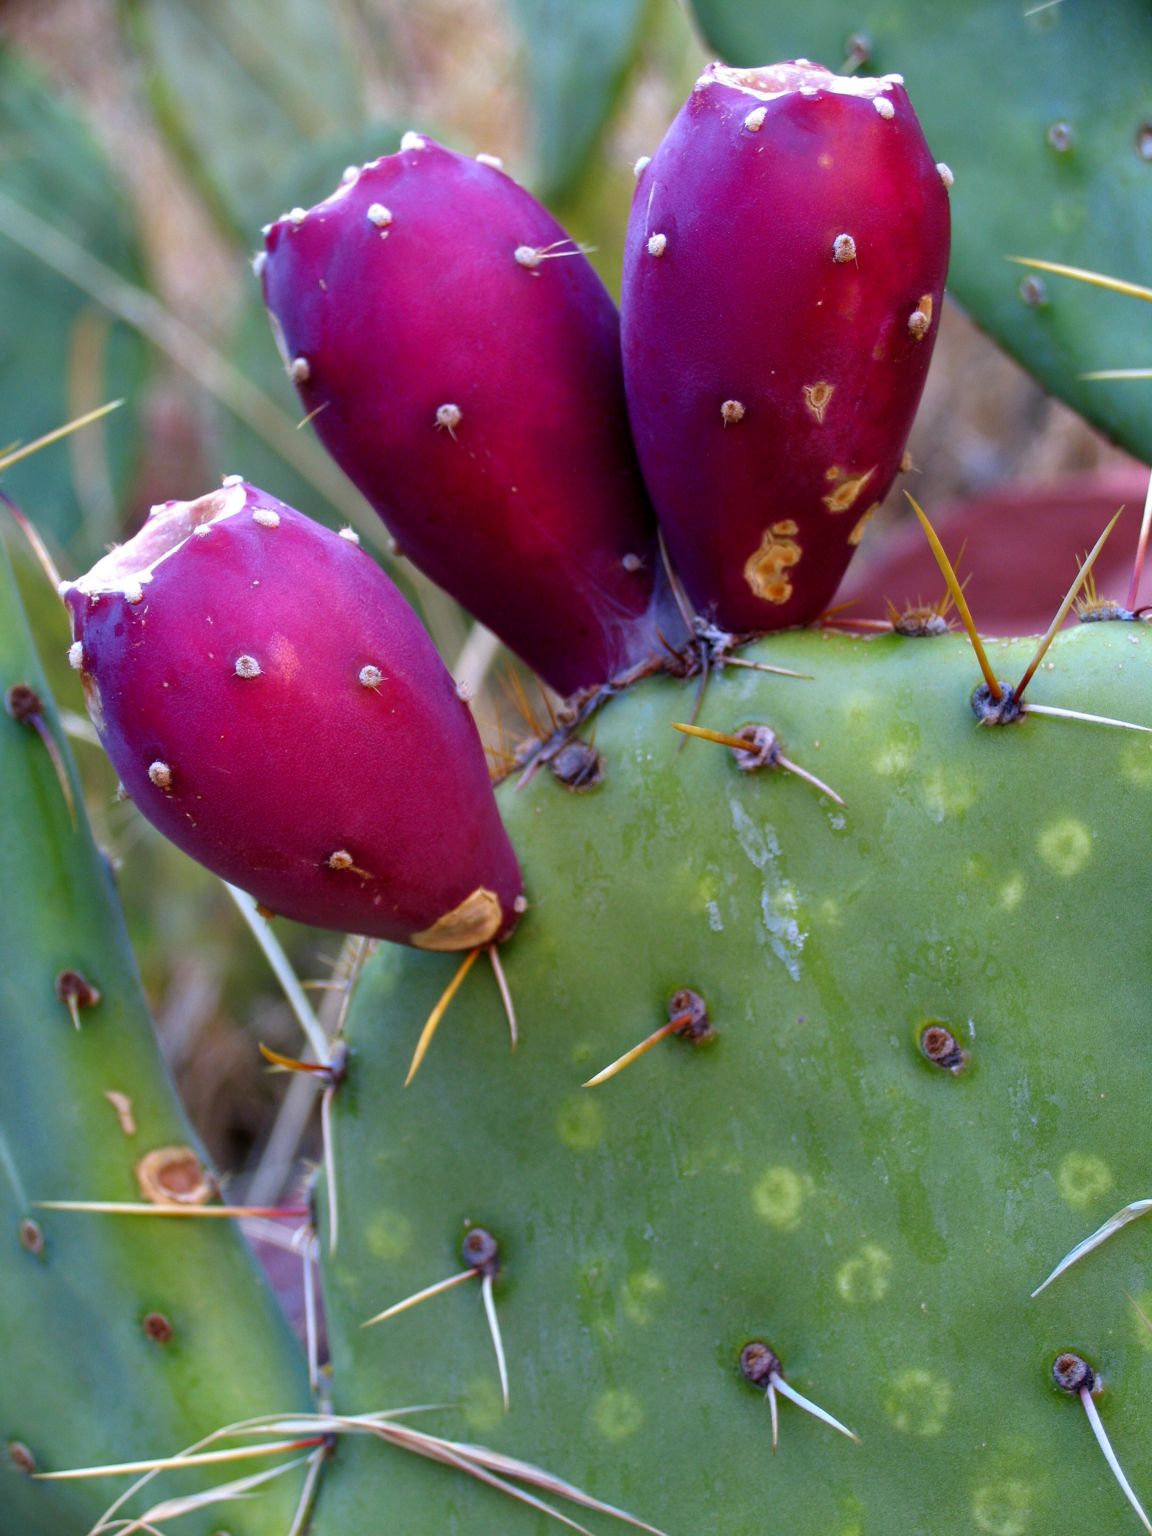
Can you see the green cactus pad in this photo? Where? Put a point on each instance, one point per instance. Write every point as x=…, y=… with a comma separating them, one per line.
x=1045, y=117
x=121, y=1338
x=810, y=1178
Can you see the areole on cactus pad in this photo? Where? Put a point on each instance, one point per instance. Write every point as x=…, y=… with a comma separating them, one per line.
x=782, y=286
x=273, y=705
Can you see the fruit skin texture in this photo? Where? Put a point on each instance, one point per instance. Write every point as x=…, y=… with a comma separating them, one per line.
x=273, y=706
x=783, y=276
x=809, y=1178
x=476, y=400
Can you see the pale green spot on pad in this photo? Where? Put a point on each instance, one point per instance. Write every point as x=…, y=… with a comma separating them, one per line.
x=917, y=1402
x=642, y=1292
x=866, y=1276
x=945, y=795
x=1004, y=1509
x=1012, y=893
x=859, y=705
x=618, y=1414
x=1065, y=846
x=1082, y=1178
x=580, y=1123
x=778, y=1197
x=895, y=759
x=388, y=1236
x=1136, y=764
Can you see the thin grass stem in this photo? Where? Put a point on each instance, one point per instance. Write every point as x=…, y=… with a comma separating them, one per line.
x=167, y=1463
x=284, y=972
x=193, y=1212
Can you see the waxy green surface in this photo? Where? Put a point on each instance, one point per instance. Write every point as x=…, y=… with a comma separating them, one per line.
x=809, y=1179
x=81, y=1382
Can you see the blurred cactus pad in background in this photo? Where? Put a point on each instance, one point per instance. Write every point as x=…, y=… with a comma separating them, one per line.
x=574, y=948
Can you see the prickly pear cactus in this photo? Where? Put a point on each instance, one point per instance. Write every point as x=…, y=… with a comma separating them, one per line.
x=927, y=1080
x=122, y=1337
x=832, y=1046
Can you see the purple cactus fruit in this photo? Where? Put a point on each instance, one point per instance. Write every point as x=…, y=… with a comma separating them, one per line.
x=783, y=277
x=274, y=707
x=462, y=359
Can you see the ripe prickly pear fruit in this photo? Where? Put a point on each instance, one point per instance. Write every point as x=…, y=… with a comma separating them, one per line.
x=463, y=361
x=783, y=277
x=273, y=706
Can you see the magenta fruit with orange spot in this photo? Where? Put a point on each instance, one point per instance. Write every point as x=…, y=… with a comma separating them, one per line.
x=463, y=361
x=783, y=277
x=273, y=706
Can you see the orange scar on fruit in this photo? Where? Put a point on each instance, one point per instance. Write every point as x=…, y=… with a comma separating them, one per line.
x=845, y=494
x=818, y=397
x=778, y=552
